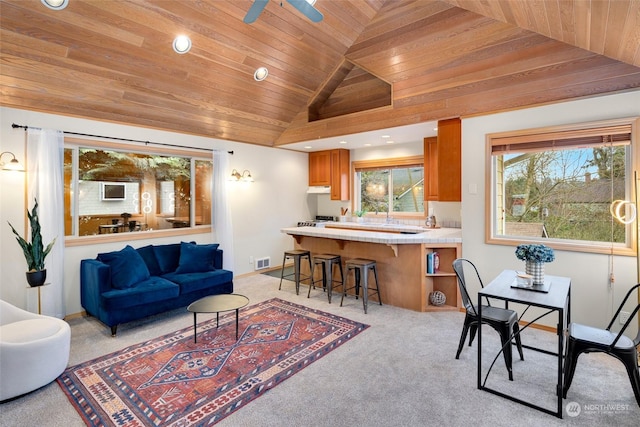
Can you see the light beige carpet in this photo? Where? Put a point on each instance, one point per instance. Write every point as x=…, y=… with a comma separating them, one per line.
x=401, y=371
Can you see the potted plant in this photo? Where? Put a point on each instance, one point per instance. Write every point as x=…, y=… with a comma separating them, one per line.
x=534, y=257
x=359, y=215
x=34, y=252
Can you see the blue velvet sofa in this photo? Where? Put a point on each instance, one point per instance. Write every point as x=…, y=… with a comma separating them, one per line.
x=130, y=284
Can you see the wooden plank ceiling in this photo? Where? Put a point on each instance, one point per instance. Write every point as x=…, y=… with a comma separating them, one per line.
x=113, y=61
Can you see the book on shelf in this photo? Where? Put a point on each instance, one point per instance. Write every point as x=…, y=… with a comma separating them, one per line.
x=433, y=262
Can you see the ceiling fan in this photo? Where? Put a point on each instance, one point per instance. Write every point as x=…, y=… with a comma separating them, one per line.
x=304, y=6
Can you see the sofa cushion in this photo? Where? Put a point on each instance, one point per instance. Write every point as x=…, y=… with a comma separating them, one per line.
x=196, y=258
x=149, y=256
x=168, y=257
x=191, y=282
x=127, y=267
x=146, y=292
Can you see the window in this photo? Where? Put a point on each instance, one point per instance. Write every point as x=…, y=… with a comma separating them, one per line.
x=557, y=184
x=403, y=176
x=112, y=189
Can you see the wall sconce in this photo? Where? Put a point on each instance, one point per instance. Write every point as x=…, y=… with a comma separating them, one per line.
x=245, y=176
x=13, y=165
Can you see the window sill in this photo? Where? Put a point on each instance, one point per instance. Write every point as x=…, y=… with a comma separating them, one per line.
x=72, y=241
x=603, y=248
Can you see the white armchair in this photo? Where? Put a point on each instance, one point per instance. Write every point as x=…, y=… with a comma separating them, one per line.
x=34, y=350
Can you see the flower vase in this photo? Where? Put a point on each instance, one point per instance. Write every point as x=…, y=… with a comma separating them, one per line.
x=536, y=270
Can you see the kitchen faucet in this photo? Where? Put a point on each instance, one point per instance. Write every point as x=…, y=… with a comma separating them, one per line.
x=389, y=218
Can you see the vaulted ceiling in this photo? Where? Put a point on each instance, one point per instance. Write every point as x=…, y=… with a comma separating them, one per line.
x=369, y=64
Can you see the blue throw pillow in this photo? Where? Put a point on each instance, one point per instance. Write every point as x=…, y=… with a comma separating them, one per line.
x=196, y=258
x=149, y=256
x=168, y=257
x=127, y=267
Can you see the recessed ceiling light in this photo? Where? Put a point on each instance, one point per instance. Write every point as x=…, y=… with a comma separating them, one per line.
x=55, y=4
x=367, y=145
x=343, y=142
x=386, y=136
x=181, y=44
x=308, y=147
x=390, y=141
x=261, y=74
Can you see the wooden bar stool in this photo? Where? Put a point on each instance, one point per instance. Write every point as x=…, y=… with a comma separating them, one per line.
x=327, y=261
x=361, y=269
x=296, y=255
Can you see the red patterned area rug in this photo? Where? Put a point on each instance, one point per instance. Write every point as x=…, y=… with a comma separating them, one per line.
x=172, y=381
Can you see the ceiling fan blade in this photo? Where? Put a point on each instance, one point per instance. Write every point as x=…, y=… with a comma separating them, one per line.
x=307, y=10
x=255, y=11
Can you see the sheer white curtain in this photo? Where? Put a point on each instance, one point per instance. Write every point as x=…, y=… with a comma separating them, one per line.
x=45, y=151
x=221, y=212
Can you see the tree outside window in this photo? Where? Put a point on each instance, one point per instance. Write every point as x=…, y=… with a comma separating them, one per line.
x=114, y=190
x=557, y=185
x=406, y=184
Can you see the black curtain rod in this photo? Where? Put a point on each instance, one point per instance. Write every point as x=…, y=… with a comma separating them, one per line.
x=15, y=126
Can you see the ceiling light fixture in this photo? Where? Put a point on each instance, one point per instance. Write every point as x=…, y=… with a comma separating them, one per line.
x=343, y=142
x=13, y=165
x=182, y=44
x=261, y=74
x=55, y=4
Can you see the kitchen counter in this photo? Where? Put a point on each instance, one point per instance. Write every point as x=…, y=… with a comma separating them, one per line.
x=389, y=234
x=399, y=251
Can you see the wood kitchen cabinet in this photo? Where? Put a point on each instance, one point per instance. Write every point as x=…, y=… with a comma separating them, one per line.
x=320, y=168
x=443, y=163
x=331, y=167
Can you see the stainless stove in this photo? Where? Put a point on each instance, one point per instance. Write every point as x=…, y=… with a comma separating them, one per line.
x=317, y=222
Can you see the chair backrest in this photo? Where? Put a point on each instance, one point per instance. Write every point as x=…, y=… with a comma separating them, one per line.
x=468, y=278
x=632, y=316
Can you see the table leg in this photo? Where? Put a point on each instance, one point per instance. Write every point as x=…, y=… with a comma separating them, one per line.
x=559, y=386
x=237, y=311
x=195, y=332
x=479, y=332
x=39, y=301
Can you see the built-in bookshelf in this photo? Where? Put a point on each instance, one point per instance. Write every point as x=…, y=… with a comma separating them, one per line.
x=439, y=274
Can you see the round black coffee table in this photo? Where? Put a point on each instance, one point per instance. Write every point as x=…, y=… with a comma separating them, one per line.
x=217, y=304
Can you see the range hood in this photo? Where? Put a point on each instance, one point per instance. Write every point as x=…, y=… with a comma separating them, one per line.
x=321, y=189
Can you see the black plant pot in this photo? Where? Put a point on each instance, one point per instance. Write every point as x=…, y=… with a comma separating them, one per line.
x=36, y=278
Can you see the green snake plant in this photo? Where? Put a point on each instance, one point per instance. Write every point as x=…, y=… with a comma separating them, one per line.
x=34, y=252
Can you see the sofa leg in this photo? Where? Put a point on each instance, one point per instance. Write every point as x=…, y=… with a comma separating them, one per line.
x=113, y=330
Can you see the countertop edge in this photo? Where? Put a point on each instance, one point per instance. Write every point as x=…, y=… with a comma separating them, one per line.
x=441, y=235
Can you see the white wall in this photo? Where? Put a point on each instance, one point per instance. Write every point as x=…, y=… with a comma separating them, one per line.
x=592, y=298
x=275, y=200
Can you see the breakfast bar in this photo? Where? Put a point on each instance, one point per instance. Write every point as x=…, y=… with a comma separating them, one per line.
x=400, y=252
